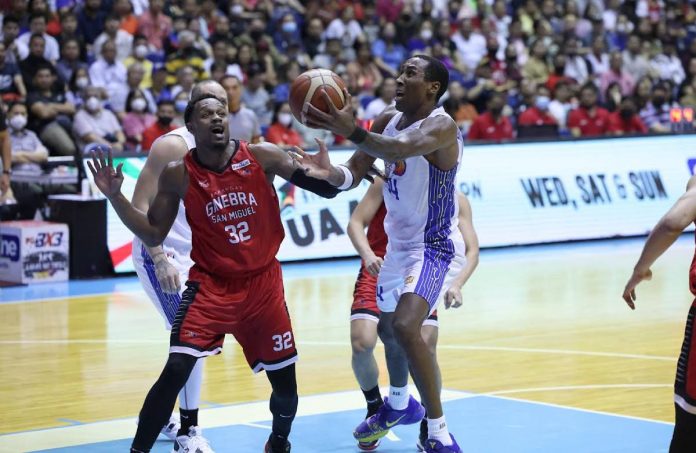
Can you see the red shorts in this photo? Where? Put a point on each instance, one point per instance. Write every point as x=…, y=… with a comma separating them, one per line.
x=685, y=381
x=252, y=309
x=365, y=300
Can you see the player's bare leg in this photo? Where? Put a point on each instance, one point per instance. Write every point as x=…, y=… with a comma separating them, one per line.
x=399, y=407
x=363, y=339
x=430, y=335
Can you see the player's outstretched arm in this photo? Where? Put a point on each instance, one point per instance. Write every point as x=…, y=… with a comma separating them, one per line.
x=453, y=296
x=362, y=216
x=309, y=176
x=164, y=150
x=667, y=230
x=433, y=134
x=153, y=227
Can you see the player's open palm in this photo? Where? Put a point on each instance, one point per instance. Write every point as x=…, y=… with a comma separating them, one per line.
x=107, y=179
x=629, y=294
x=453, y=297
x=315, y=165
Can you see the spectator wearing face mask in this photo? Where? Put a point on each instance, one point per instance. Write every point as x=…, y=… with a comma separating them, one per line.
x=180, y=103
x=163, y=125
x=281, y=132
x=95, y=124
x=538, y=114
x=625, y=120
x=137, y=118
x=656, y=113
x=139, y=56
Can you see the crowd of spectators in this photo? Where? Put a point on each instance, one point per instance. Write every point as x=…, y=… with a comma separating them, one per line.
x=120, y=72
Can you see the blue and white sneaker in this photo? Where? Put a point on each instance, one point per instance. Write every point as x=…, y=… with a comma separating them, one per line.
x=379, y=424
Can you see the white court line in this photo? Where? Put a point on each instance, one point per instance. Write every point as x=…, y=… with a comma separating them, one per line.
x=578, y=387
x=38, y=299
x=511, y=349
x=248, y=413
x=345, y=343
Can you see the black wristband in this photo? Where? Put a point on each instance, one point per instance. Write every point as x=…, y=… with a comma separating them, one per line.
x=358, y=135
x=6, y=172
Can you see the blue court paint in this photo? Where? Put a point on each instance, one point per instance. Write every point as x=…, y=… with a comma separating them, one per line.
x=480, y=424
x=69, y=420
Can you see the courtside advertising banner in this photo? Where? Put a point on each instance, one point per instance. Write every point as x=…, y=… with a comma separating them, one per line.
x=525, y=193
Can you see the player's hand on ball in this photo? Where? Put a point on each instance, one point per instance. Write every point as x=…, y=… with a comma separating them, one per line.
x=107, y=179
x=340, y=122
x=373, y=264
x=629, y=294
x=167, y=275
x=315, y=165
x=453, y=297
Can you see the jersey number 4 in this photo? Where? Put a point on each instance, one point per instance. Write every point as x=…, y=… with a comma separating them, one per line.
x=238, y=233
x=282, y=342
x=391, y=187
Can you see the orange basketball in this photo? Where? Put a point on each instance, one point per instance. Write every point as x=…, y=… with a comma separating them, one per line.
x=305, y=89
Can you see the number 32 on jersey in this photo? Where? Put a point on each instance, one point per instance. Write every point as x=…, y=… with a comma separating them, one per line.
x=238, y=233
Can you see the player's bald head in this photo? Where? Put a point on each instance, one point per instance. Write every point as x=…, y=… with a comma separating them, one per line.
x=208, y=88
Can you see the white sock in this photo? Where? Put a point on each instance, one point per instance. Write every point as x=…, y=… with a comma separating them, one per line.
x=437, y=429
x=398, y=397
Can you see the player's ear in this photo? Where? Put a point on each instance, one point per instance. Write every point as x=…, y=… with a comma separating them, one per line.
x=434, y=88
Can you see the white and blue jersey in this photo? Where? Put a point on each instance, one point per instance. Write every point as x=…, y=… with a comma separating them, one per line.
x=426, y=249
x=177, y=247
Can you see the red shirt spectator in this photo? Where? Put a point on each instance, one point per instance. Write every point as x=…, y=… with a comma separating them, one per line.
x=153, y=132
x=590, y=122
x=619, y=125
x=283, y=136
x=535, y=117
x=486, y=127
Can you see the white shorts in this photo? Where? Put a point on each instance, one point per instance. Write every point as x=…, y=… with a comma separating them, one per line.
x=166, y=304
x=427, y=273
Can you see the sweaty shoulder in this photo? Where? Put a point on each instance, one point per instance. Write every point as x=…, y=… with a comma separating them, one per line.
x=267, y=154
x=383, y=119
x=442, y=122
x=168, y=148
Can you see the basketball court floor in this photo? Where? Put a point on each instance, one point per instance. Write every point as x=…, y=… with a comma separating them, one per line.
x=544, y=356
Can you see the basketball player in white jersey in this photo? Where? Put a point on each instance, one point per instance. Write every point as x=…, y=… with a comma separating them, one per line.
x=369, y=213
x=421, y=146
x=164, y=269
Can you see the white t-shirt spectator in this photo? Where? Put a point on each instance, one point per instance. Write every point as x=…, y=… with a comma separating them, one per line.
x=347, y=33
x=374, y=108
x=111, y=77
x=470, y=50
x=668, y=68
x=51, y=51
x=103, y=123
x=124, y=44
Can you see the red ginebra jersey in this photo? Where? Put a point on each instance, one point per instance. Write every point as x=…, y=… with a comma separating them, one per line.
x=692, y=273
x=376, y=236
x=234, y=217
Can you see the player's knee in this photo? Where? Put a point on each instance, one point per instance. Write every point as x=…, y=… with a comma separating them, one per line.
x=363, y=346
x=178, y=367
x=405, y=331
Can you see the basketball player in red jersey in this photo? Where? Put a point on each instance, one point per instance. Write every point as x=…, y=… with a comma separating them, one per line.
x=364, y=314
x=235, y=285
x=667, y=230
